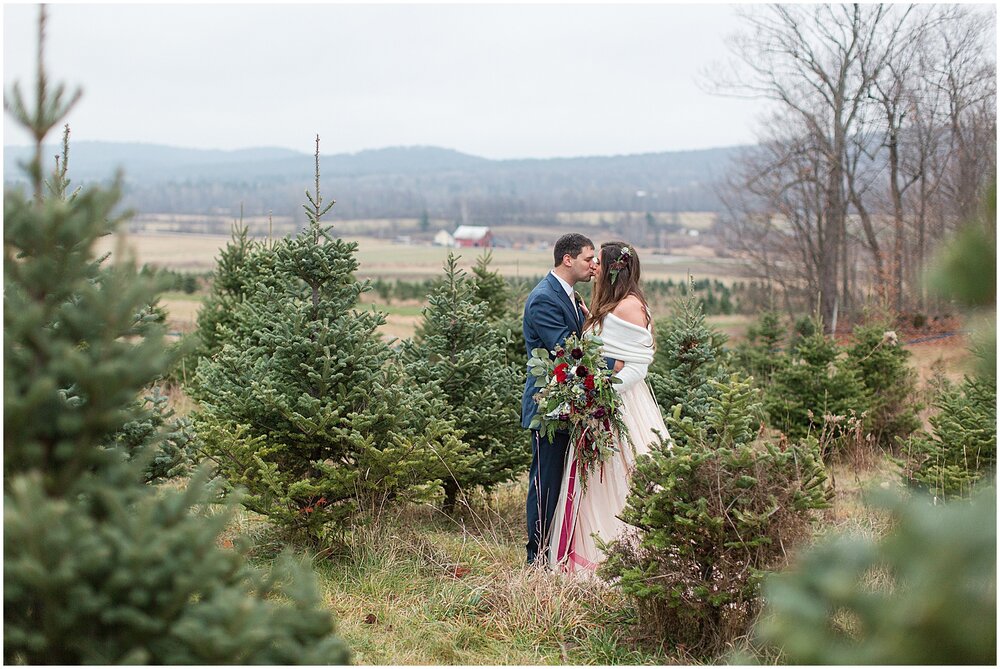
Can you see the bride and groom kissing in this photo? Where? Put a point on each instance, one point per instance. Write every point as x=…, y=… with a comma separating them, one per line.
x=564, y=518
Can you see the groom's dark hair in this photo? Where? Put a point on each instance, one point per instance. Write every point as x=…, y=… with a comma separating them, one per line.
x=572, y=243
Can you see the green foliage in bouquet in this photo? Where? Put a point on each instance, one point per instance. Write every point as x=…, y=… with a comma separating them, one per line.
x=459, y=351
x=889, y=382
x=576, y=394
x=812, y=382
x=709, y=518
x=306, y=407
x=960, y=450
x=100, y=568
x=925, y=593
x=688, y=358
x=760, y=354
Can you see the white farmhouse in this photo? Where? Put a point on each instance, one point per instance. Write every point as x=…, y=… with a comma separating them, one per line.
x=444, y=238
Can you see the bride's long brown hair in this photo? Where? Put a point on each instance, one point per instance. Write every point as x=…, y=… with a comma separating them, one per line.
x=608, y=293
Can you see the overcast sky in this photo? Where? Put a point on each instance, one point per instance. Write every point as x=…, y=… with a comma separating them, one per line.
x=499, y=81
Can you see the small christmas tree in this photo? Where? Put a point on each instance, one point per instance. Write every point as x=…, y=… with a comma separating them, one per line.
x=760, y=354
x=889, y=382
x=100, y=568
x=305, y=405
x=811, y=383
x=688, y=357
x=960, y=450
x=709, y=517
x=457, y=350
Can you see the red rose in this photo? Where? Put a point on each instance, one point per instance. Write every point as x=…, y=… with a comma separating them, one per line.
x=560, y=372
x=588, y=382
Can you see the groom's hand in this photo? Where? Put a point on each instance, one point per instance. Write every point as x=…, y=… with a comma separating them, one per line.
x=616, y=365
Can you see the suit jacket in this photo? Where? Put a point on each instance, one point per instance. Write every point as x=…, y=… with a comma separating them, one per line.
x=549, y=317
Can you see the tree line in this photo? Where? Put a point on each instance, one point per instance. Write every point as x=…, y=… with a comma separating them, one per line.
x=881, y=143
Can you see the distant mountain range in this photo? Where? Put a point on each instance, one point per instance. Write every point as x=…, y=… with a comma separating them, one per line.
x=398, y=182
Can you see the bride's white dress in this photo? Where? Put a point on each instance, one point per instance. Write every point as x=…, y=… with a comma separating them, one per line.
x=582, y=513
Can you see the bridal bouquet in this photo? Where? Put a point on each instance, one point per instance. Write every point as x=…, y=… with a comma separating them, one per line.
x=577, y=394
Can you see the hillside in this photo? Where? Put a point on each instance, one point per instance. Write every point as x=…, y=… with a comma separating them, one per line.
x=395, y=182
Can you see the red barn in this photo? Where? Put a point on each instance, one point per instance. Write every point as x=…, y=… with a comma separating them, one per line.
x=473, y=235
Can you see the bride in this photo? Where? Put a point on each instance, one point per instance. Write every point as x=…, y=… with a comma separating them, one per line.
x=620, y=316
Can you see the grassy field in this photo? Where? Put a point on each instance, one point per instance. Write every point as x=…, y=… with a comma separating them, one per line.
x=426, y=588
x=383, y=258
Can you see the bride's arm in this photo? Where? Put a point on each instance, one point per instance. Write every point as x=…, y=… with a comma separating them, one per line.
x=632, y=310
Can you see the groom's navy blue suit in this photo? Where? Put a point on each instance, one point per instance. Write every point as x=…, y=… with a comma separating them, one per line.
x=549, y=317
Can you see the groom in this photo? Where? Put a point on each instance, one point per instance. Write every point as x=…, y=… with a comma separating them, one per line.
x=551, y=314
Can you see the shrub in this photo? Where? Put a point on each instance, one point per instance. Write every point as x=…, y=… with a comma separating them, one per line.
x=709, y=517
x=456, y=349
x=936, y=603
x=305, y=405
x=961, y=448
x=100, y=568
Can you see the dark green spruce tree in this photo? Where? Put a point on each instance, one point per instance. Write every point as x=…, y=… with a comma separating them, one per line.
x=813, y=381
x=305, y=406
x=230, y=279
x=934, y=600
x=456, y=349
x=100, y=568
x=688, y=358
x=760, y=355
x=890, y=383
x=502, y=312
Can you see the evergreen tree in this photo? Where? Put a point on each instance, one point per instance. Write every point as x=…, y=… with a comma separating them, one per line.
x=709, y=517
x=810, y=383
x=499, y=297
x=939, y=607
x=688, y=357
x=890, y=383
x=100, y=568
x=456, y=349
x=760, y=354
x=960, y=450
x=176, y=448
x=305, y=406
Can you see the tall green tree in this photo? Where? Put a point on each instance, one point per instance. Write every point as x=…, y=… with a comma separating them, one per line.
x=305, y=406
x=100, y=568
x=457, y=349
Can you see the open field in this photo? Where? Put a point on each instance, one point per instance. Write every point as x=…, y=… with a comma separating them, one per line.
x=385, y=259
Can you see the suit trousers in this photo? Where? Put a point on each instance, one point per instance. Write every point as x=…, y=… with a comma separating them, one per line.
x=544, y=481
